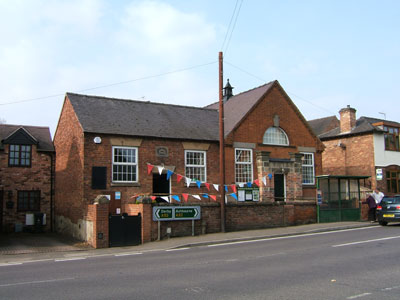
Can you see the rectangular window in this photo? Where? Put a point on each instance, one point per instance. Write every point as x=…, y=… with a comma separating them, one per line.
x=393, y=181
x=28, y=201
x=308, y=169
x=195, y=165
x=391, y=138
x=125, y=164
x=243, y=165
x=19, y=156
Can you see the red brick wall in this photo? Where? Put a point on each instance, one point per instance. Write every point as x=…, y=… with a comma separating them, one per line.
x=37, y=177
x=350, y=156
x=98, y=215
x=69, y=145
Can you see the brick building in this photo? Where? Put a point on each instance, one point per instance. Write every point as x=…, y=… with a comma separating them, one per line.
x=364, y=146
x=129, y=149
x=26, y=177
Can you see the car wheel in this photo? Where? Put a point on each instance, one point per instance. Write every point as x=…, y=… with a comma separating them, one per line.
x=383, y=223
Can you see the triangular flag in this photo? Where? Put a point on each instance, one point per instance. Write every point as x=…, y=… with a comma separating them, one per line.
x=270, y=176
x=216, y=186
x=188, y=181
x=226, y=188
x=185, y=197
x=257, y=182
x=233, y=195
x=169, y=173
x=205, y=195
x=196, y=196
x=138, y=198
x=153, y=198
x=264, y=180
x=176, y=197
x=160, y=169
x=233, y=186
x=207, y=185
x=179, y=177
x=149, y=168
x=213, y=197
x=198, y=182
x=241, y=185
x=249, y=184
x=166, y=198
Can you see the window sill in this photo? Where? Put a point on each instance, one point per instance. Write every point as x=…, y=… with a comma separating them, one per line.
x=133, y=184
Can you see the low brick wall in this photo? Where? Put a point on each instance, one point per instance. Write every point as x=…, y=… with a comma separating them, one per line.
x=98, y=216
x=239, y=216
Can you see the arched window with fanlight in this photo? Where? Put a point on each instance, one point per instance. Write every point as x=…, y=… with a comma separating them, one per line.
x=275, y=136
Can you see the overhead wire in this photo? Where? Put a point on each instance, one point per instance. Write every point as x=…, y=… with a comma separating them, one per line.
x=233, y=27
x=229, y=26
x=111, y=84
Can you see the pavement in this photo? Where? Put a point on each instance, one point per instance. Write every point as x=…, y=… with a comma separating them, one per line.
x=29, y=247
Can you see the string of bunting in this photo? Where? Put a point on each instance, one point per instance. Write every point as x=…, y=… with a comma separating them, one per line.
x=188, y=181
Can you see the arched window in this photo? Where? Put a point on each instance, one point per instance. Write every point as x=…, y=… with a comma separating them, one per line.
x=275, y=136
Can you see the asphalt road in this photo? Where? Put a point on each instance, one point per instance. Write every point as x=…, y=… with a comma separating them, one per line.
x=352, y=264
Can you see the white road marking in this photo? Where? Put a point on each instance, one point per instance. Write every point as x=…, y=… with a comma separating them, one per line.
x=10, y=264
x=367, y=241
x=35, y=282
x=391, y=288
x=128, y=254
x=178, y=249
x=69, y=259
x=286, y=237
x=358, y=296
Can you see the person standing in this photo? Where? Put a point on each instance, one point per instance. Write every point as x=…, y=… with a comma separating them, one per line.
x=372, y=208
x=378, y=195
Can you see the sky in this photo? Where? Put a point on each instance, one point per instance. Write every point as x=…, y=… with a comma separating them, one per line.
x=326, y=54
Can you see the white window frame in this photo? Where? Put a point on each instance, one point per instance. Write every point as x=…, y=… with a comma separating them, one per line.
x=274, y=143
x=303, y=165
x=196, y=166
x=244, y=163
x=133, y=164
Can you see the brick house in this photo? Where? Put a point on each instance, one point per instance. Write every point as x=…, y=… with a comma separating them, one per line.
x=26, y=177
x=364, y=146
x=125, y=148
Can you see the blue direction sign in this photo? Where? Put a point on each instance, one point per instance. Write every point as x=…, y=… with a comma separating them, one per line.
x=175, y=213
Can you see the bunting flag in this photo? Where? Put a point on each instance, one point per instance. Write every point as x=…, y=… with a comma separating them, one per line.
x=179, y=177
x=264, y=180
x=233, y=186
x=270, y=176
x=213, y=197
x=185, y=196
x=198, y=182
x=207, y=185
x=205, y=195
x=188, y=181
x=153, y=198
x=216, y=186
x=149, y=168
x=138, y=198
x=241, y=185
x=160, y=169
x=233, y=195
x=176, y=197
x=226, y=188
x=249, y=184
x=166, y=198
x=196, y=196
x=169, y=173
x=257, y=182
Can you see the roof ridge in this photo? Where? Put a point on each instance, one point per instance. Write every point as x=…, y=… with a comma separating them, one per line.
x=140, y=101
x=254, y=88
x=322, y=118
x=21, y=126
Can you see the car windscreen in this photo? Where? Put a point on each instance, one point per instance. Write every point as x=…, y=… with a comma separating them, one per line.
x=390, y=200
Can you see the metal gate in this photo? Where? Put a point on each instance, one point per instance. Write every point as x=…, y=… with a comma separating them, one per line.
x=125, y=230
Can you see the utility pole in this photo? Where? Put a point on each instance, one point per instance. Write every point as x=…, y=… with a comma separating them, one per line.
x=221, y=143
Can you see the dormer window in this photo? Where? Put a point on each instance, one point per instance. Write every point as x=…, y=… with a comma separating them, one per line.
x=275, y=136
x=19, y=156
x=391, y=138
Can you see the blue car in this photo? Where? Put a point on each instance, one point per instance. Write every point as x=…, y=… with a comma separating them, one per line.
x=388, y=210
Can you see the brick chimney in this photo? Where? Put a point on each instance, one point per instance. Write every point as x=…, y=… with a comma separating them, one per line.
x=347, y=119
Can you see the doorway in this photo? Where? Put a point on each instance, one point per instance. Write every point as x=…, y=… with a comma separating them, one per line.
x=161, y=186
x=279, y=184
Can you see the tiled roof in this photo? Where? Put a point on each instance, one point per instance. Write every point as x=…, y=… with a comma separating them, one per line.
x=323, y=125
x=140, y=118
x=238, y=106
x=363, y=125
x=41, y=134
